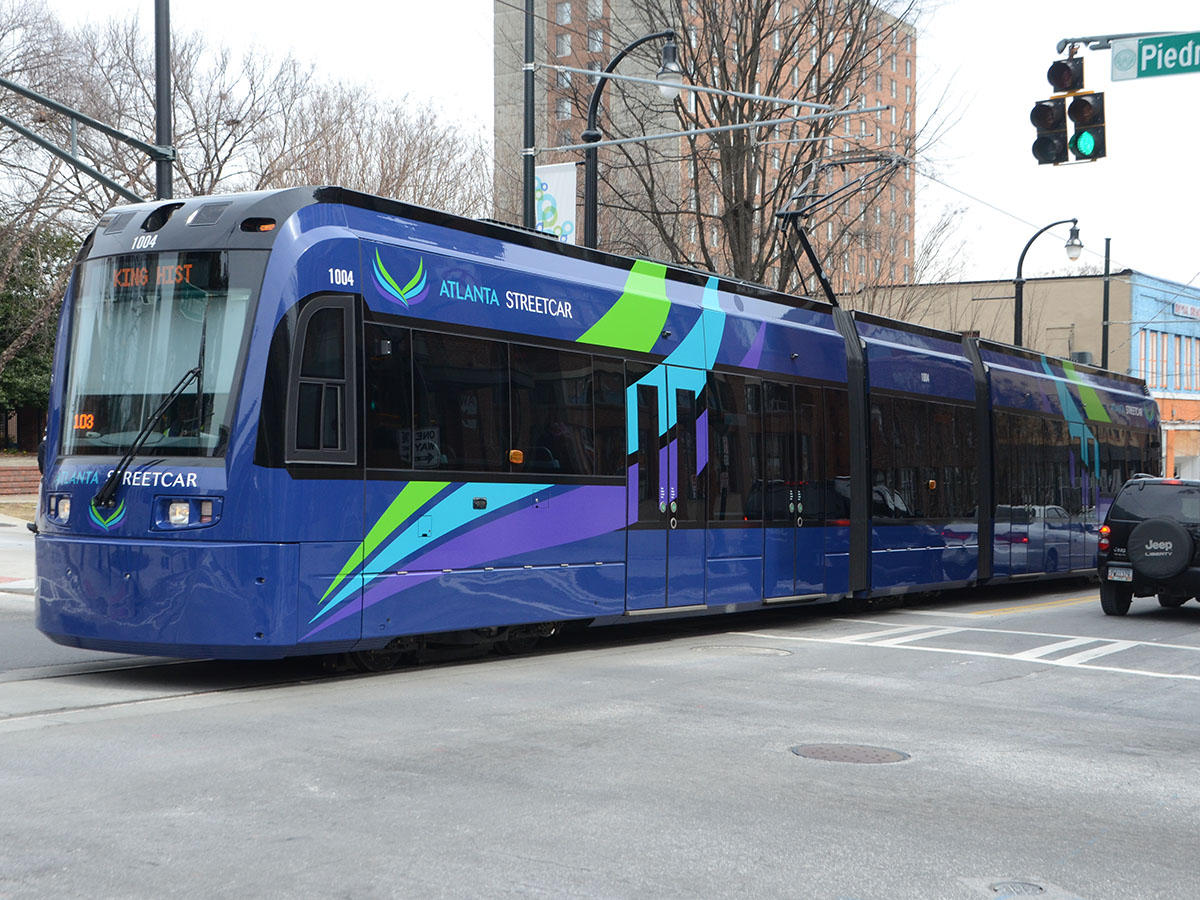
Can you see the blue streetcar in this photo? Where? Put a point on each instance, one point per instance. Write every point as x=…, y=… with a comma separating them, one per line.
x=315, y=421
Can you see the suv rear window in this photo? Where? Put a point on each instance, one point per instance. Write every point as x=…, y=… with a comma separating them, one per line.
x=1149, y=500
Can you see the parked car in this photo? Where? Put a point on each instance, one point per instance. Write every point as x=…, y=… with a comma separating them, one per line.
x=1148, y=544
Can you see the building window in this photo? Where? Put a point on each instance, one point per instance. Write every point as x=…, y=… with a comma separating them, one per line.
x=594, y=67
x=562, y=108
x=563, y=13
x=595, y=40
x=562, y=44
x=595, y=9
x=1162, y=361
x=564, y=79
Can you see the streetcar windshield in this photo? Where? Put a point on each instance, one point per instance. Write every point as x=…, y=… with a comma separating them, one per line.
x=141, y=321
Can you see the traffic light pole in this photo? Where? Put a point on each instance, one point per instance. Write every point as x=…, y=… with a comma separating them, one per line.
x=1104, y=308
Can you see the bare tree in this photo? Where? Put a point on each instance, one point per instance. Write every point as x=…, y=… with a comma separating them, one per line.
x=712, y=199
x=243, y=124
x=395, y=149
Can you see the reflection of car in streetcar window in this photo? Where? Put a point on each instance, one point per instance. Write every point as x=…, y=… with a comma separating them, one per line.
x=1030, y=538
x=888, y=504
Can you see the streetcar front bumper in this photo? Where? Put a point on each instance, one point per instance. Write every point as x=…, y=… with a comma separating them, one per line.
x=192, y=599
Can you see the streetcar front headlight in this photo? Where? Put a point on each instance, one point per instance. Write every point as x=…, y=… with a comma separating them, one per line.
x=179, y=513
x=64, y=509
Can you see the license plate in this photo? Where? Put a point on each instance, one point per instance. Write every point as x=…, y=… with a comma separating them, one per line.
x=1120, y=574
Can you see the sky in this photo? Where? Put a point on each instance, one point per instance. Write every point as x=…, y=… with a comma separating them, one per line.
x=981, y=66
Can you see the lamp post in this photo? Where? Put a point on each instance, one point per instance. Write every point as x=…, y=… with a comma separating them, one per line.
x=670, y=77
x=1074, y=247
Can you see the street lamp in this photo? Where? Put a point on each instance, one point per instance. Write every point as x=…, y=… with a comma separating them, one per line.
x=1074, y=247
x=670, y=77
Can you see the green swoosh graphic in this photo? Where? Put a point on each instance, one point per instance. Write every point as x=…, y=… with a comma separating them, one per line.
x=1092, y=406
x=636, y=320
x=408, y=501
x=415, y=279
x=387, y=274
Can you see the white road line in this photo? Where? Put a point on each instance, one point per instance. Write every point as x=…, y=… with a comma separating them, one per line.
x=897, y=641
x=1039, y=652
x=1083, y=656
x=889, y=632
x=1067, y=664
x=1046, y=634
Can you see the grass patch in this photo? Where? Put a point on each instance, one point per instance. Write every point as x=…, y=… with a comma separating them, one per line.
x=26, y=509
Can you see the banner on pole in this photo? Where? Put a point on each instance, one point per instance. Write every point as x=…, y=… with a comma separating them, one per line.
x=554, y=201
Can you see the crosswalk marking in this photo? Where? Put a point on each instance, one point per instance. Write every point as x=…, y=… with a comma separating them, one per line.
x=1096, y=652
x=903, y=639
x=1039, y=652
x=906, y=637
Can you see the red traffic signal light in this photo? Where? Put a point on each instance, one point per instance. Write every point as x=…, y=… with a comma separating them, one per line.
x=1050, y=119
x=1066, y=75
x=1087, y=112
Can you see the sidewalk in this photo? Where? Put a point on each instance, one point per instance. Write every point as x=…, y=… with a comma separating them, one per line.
x=16, y=556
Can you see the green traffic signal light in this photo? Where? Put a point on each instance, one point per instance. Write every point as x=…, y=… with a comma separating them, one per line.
x=1087, y=112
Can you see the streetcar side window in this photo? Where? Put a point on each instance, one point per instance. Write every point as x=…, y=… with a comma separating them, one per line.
x=608, y=401
x=460, y=403
x=552, y=410
x=321, y=398
x=388, y=412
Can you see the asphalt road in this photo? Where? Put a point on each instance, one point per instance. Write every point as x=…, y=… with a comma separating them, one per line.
x=1041, y=745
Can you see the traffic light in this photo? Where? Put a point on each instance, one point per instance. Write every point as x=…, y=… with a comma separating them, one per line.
x=1050, y=119
x=1087, y=112
x=1066, y=75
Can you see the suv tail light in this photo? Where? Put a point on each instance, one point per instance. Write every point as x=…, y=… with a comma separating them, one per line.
x=1103, y=544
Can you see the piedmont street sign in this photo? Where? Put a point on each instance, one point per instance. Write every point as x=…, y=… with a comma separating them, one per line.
x=1167, y=54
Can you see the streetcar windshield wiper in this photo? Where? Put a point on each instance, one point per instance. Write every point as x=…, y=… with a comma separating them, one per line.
x=106, y=496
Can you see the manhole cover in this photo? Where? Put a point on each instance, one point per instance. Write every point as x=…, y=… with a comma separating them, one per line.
x=745, y=651
x=1017, y=888
x=849, y=753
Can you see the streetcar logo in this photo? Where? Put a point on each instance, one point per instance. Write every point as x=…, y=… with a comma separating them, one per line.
x=413, y=292
x=109, y=522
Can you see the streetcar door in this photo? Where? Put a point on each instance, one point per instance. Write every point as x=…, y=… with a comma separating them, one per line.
x=665, y=545
x=794, y=549
x=776, y=493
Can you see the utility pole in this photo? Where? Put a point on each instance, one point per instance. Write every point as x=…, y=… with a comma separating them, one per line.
x=163, y=153
x=162, y=98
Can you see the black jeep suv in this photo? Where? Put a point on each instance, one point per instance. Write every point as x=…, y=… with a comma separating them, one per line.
x=1149, y=544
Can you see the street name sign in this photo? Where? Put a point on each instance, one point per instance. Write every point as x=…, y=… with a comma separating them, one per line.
x=1166, y=54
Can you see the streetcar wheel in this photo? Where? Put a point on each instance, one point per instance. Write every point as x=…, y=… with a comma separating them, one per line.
x=1115, y=600
x=516, y=641
x=377, y=660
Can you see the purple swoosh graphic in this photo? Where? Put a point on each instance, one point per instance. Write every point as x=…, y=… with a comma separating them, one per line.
x=754, y=356
x=572, y=516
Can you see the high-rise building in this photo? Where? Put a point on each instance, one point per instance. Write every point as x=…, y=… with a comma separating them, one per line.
x=711, y=200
